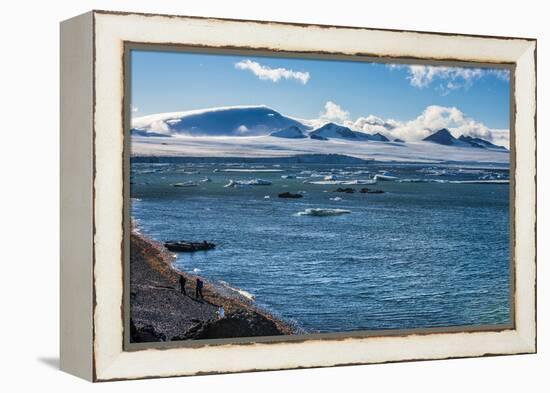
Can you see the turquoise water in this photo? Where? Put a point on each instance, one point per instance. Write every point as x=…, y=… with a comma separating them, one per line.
x=431, y=251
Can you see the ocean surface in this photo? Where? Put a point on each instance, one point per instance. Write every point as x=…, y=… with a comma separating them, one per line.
x=431, y=251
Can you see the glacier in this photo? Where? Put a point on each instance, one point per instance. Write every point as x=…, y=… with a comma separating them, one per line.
x=269, y=146
x=259, y=131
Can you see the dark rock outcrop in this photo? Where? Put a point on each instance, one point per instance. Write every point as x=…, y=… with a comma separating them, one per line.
x=238, y=324
x=145, y=334
x=287, y=194
x=369, y=191
x=347, y=190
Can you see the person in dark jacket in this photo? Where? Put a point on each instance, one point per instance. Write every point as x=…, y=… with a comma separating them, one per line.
x=198, y=289
x=182, y=284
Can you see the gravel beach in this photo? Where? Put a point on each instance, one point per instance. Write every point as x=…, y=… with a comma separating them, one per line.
x=159, y=311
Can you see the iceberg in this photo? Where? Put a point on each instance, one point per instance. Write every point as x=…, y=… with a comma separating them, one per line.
x=366, y=181
x=258, y=182
x=321, y=212
x=343, y=182
x=234, y=184
x=185, y=184
x=384, y=176
x=246, y=183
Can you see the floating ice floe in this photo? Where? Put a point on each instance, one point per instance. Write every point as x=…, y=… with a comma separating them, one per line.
x=384, y=176
x=288, y=177
x=494, y=181
x=185, y=184
x=267, y=197
x=336, y=199
x=321, y=212
x=443, y=181
x=364, y=181
x=247, y=170
x=343, y=182
x=234, y=184
x=206, y=180
x=417, y=180
x=246, y=183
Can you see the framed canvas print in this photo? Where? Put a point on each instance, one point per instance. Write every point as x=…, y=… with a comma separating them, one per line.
x=245, y=195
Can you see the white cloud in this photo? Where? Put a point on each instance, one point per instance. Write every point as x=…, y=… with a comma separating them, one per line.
x=334, y=112
x=373, y=124
x=449, y=78
x=500, y=73
x=159, y=126
x=422, y=76
x=435, y=117
x=273, y=74
x=242, y=129
x=501, y=138
x=135, y=109
x=432, y=119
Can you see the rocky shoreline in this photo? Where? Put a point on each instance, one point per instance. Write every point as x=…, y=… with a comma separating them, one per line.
x=159, y=311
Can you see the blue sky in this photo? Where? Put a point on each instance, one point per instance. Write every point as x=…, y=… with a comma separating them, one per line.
x=177, y=81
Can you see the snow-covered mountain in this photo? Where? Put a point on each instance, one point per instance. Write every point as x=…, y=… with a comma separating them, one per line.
x=478, y=142
x=259, y=131
x=292, y=132
x=379, y=137
x=331, y=130
x=444, y=137
x=224, y=121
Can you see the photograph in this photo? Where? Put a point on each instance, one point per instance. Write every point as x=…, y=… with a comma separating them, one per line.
x=291, y=196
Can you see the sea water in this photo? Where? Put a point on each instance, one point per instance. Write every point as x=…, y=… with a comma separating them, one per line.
x=432, y=251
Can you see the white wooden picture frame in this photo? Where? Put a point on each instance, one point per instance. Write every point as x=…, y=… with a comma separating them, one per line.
x=92, y=195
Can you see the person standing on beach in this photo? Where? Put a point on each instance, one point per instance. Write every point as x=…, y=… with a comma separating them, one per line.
x=182, y=284
x=198, y=289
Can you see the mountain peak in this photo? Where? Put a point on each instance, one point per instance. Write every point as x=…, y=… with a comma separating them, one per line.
x=226, y=121
x=442, y=137
x=480, y=143
x=332, y=130
x=379, y=137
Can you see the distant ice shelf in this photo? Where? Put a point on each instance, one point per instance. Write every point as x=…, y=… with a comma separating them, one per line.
x=270, y=146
